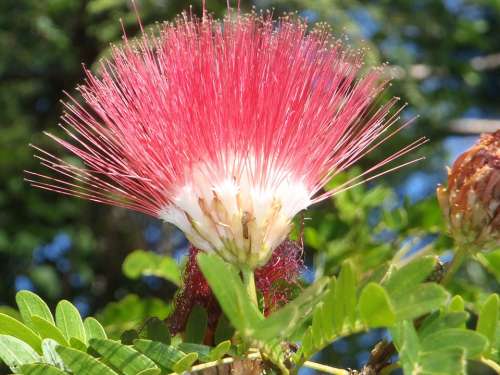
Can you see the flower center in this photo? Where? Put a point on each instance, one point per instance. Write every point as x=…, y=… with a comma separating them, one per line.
x=242, y=218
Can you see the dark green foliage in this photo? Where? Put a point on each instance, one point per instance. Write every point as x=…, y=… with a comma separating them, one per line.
x=441, y=343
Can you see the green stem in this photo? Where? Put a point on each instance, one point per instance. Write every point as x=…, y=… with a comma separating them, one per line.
x=249, y=282
x=326, y=369
x=454, y=266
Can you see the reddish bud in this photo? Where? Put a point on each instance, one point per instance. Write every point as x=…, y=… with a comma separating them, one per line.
x=471, y=203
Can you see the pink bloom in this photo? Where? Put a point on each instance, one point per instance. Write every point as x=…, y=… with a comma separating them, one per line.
x=226, y=129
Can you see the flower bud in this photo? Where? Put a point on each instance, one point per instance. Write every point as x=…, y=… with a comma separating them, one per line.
x=471, y=202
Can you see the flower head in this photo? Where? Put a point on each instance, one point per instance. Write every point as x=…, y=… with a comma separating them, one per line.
x=471, y=202
x=226, y=129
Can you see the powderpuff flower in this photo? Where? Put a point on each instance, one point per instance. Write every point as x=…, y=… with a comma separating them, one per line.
x=226, y=129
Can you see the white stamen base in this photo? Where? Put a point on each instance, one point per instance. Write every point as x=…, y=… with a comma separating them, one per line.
x=241, y=222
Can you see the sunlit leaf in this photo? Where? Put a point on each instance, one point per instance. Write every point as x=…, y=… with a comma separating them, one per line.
x=69, y=321
x=146, y=263
x=30, y=304
x=94, y=329
x=185, y=363
x=12, y=327
x=50, y=354
x=122, y=357
x=166, y=356
x=48, y=330
x=15, y=353
x=77, y=344
x=203, y=351
x=220, y=350
x=41, y=369
x=227, y=286
x=82, y=363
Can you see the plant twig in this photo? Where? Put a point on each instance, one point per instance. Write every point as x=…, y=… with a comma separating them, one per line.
x=223, y=361
x=325, y=368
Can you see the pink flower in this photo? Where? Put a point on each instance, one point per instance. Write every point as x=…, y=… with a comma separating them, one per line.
x=226, y=129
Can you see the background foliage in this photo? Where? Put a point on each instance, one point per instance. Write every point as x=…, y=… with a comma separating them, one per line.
x=442, y=53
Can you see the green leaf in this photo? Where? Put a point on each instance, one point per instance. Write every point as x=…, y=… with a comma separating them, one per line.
x=225, y=282
x=157, y=330
x=16, y=353
x=224, y=330
x=69, y=321
x=488, y=320
x=441, y=362
x=471, y=342
x=165, y=356
x=129, y=336
x=415, y=360
x=30, y=304
x=82, y=363
x=131, y=312
x=150, y=371
x=327, y=310
x=13, y=313
x=456, y=304
x=94, y=329
x=408, y=277
x=220, y=350
x=322, y=330
x=424, y=299
x=440, y=320
x=318, y=331
x=284, y=322
x=375, y=307
x=406, y=340
x=50, y=354
x=196, y=325
x=123, y=358
x=344, y=309
x=145, y=263
x=77, y=344
x=41, y=369
x=203, y=351
x=13, y=327
x=185, y=363
x=48, y=330
x=491, y=261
